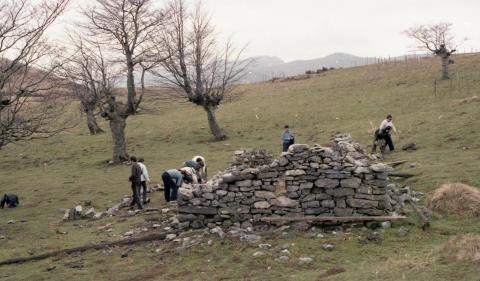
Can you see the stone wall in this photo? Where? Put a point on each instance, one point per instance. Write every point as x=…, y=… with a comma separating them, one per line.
x=340, y=180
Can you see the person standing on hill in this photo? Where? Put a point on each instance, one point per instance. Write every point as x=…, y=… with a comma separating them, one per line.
x=172, y=180
x=144, y=179
x=135, y=179
x=388, y=122
x=287, y=138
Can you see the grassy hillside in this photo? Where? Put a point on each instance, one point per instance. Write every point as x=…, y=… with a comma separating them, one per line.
x=70, y=168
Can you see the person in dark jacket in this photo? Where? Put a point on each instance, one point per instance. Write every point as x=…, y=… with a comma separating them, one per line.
x=172, y=180
x=381, y=138
x=136, y=180
x=9, y=199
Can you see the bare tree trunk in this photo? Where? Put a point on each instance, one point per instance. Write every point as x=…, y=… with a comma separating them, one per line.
x=131, y=106
x=92, y=123
x=213, y=124
x=117, y=126
x=445, y=67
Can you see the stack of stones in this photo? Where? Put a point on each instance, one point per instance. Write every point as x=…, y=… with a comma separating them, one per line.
x=339, y=180
x=250, y=158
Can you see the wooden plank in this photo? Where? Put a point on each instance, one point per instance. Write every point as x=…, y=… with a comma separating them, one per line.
x=103, y=245
x=338, y=219
x=396, y=163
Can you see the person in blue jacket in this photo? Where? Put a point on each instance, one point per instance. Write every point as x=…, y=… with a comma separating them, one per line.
x=287, y=138
x=172, y=181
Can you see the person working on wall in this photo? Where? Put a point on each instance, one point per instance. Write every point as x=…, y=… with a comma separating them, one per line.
x=388, y=122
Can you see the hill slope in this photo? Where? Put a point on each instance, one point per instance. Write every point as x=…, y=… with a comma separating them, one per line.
x=71, y=167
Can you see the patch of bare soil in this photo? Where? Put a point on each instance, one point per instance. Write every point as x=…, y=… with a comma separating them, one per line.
x=149, y=274
x=330, y=272
x=456, y=199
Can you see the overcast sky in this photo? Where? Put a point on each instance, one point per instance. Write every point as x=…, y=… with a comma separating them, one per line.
x=306, y=29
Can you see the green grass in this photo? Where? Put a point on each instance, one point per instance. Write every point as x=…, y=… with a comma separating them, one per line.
x=346, y=100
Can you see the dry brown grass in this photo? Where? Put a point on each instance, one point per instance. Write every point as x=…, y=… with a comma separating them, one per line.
x=465, y=247
x=470, y=100
x=456, y=199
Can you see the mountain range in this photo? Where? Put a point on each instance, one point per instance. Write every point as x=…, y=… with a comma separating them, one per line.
x=267, y=67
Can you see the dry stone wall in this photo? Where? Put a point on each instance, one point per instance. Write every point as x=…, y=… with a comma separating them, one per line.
x=340, y=180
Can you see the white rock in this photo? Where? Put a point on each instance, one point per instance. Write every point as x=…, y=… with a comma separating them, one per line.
x=282, y=259
x=264, y=246
x=285, y=252
x=305, y=260
x=258, y=254
x=170, y=236
x=217, y=230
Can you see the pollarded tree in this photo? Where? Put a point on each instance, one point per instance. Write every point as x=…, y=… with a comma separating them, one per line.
x=89, y=77
x=31, y=100
x=194, y=63
x=125, y=26
x=435, y=38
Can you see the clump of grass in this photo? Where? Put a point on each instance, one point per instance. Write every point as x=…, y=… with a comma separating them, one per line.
x=456, y=199
x=465, y=247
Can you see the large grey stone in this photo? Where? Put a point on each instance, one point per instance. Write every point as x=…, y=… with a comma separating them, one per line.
x=306, y=185
x=244, y=183
x=328, y=203
x=283, y=201
x=311, y=204
x=208, y=196
x=265, y=194
x=282, y=161
x=293, y=188
x=361, y=170
x=343, y=212
x=296, y=148
x=296, y=172
x=371, y=212
x=327, y=183
x=267, y=175
x=381, y=168
x=185, y=193
x=362, y=203
x=197, y=210
x=261, y=205
x=351, y=183
x=340, y=192
x=315, y=211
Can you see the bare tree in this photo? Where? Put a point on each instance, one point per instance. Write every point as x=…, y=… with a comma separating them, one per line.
x=31, y=100
x=89, y=77
x=193, y=62
x=124, y=26
x=435, y=38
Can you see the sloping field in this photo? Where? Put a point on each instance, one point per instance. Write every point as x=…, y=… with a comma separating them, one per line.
x=71, y=168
